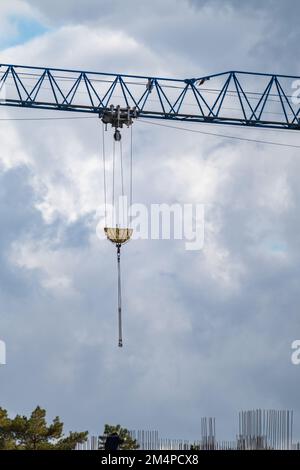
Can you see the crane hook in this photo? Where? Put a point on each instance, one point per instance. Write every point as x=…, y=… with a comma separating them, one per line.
x=117, y=135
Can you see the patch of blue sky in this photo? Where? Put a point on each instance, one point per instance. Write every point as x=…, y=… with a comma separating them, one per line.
x=274, y=246
x=24, y=29
x=278, y=247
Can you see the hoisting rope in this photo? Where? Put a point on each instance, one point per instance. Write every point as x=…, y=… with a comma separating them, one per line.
x=121, y=163
x=120, y=344
x=113, y=181
x=104, y=174
x=119, y=296
x=130, y=176
x=124, y=218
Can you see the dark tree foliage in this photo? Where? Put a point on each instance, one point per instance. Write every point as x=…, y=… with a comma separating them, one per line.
x=33, y=433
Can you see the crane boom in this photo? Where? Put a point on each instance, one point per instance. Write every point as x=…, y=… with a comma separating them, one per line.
x=234, y=97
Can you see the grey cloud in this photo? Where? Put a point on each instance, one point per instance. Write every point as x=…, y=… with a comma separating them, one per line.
x=214, y=40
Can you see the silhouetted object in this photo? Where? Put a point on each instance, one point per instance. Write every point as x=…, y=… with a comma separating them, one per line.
x=113, y=442
x=149, y=85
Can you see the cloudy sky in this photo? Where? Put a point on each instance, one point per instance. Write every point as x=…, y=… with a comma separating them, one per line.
x=206, y=333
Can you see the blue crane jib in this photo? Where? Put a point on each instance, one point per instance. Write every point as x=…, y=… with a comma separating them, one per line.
x=235, y=97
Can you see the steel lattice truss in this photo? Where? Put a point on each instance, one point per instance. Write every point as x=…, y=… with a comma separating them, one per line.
x=239, y=98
